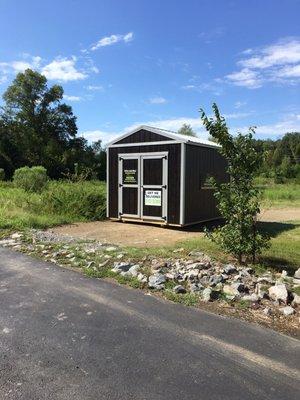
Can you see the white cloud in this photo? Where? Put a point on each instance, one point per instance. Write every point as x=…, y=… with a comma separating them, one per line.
x=95, y=87
x=72, y=98
x=63, y=69
x=112, y=39
x=60, y=69
x=239, y=104
x=246, y=77
x=279, y=62
x=157, y=100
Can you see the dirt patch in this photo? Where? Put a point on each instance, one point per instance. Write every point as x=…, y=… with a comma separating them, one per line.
x=140, y=235
x=127, y=234
x=280, y=214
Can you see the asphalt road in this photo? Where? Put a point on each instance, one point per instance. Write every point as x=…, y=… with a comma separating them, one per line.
x=66, y=336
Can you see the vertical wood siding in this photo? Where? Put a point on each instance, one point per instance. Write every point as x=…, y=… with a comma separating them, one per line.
x=200, y=203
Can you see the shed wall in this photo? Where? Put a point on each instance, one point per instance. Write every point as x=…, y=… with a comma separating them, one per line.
x=174, y=156
x=143, y=136
x=201, y=162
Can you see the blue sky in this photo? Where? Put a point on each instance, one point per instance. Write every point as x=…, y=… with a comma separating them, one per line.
x=125, y=63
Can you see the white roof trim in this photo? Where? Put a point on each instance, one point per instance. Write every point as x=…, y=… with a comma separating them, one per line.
x=169, y=134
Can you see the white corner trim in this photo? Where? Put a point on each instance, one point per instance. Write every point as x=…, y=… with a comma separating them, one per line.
x=182, y=184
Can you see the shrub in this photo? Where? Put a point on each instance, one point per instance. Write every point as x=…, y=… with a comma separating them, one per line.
x=2, y=174
x=79, y=200
x=32, y=179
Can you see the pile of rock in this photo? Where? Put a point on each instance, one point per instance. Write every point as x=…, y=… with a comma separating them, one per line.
x=213, y=280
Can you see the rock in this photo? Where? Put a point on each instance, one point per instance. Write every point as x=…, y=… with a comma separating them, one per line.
x=278, y=293
x=196, y=287
x=16, y=235
x=297, y=274
x=192, y=274
x=229, y=269
x=215, y=279
x=158, y=265
x=234, y=289
x=265, y=279
x=284, y=273
x=156, y=281
x=251, y=297
x=134, y=270
x=261, y=293
x=196, y=253
x=90, y=264
x=119, y=256
x=207, y=294
x=141, y=278
x=110, y=248
x=288, y=310
x=7, y=242
x=179, y=289
x=296, y=300
x=121, y=267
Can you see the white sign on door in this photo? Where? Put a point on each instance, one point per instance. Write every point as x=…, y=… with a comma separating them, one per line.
x=153, y=198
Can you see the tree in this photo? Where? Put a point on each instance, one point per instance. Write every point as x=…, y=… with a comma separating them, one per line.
x=37, y=122
x=186, y=129
x=238, y=199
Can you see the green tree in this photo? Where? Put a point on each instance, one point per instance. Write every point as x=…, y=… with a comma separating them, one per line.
x=38, y=122
x=238, y=199
x=186, y=129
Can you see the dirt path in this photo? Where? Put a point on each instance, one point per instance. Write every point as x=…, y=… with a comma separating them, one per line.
x=140, y=235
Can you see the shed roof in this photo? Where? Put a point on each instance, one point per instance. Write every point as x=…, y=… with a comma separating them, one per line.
x=168, y=134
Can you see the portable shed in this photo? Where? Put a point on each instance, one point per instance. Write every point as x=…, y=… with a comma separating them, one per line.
x=155, y=175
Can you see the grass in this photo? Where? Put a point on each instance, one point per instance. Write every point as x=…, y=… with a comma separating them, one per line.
x=60, y=203
x=279, y=195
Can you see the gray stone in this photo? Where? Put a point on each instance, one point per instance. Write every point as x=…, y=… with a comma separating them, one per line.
x=229, y=269
x=297, y=274
x=207, y=294
x=16, y=235
x=215, y=279
x=156, y=281
x=296, y=300
x=142, y=278
x=234, y=289
x=262, y=294
x=196, y=287
x=267, y=311
x=134, y=270
x=110, y=248
x=179, y=289
x=251, y=297
x=278, y=293
x=121, y=267
x=288, y=310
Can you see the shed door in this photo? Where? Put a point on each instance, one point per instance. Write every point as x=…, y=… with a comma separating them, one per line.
x=154, y=187
x=129, y=186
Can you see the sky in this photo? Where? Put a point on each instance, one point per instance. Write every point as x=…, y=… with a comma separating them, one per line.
x=132, y=62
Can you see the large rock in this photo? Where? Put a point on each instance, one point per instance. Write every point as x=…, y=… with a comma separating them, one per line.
x=229, y=269
x=134, y=270
x=234, y=289
x=296, y=300
x=121, y=267
x=279, y=293
x=297, y=274
x=196, y=287
x=156, y=281
x=179, y=289
x=207, y=294
x=215, y=279
x=288, y=310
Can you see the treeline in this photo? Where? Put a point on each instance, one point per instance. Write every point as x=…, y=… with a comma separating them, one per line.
x=38, y=128
x=281, y=158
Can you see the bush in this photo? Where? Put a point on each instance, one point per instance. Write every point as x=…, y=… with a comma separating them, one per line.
x=78, y=200
x=2, y=174
x=32, y=179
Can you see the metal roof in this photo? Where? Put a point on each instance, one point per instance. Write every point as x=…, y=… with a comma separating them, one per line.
x=169, y=134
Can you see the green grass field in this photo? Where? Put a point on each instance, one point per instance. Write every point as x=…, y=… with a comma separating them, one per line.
x=279, y=195
x=60, y=203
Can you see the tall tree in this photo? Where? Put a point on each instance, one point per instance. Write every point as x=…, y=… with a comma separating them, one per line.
x=36, y=121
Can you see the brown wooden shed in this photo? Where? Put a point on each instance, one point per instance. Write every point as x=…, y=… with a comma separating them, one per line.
x=159, y=176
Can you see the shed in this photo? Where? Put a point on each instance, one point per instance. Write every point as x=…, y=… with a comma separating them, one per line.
x=155, y=175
